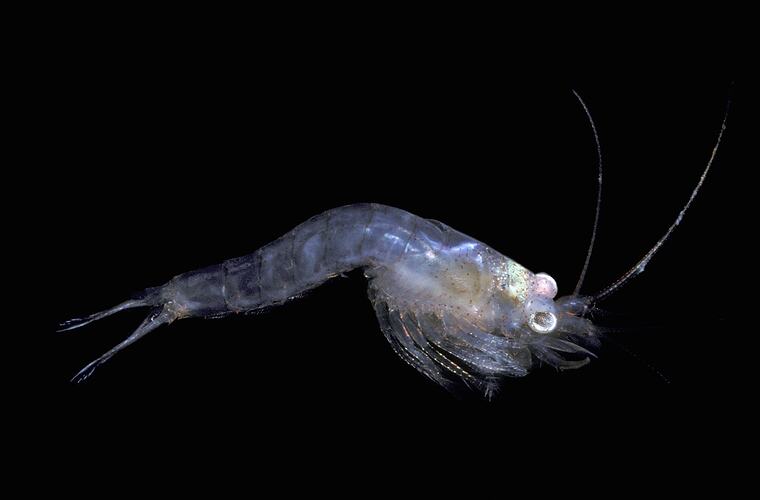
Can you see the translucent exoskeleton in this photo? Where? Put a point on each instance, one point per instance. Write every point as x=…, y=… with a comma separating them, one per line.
x=455, y=309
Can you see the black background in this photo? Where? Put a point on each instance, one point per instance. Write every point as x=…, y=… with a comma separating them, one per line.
x=173, y=153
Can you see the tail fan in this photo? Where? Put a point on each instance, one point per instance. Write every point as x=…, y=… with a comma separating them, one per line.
x=154, y=320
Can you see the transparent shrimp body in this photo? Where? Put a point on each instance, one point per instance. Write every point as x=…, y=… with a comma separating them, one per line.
x=451, y=306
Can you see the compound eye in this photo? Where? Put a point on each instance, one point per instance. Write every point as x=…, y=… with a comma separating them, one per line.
x=542, y=322
x=545, y=285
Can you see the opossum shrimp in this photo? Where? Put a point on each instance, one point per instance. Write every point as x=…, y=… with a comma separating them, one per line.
x=450, y=306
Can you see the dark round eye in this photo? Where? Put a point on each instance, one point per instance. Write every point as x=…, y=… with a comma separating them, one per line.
x=542, y=322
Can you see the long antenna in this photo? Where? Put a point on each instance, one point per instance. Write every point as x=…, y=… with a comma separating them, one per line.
x=640, y=265
x=598, y=197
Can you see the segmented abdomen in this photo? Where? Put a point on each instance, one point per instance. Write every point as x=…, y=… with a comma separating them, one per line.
x=331, y=243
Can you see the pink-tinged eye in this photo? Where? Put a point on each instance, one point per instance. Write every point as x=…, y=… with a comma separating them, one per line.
x=545, y=286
